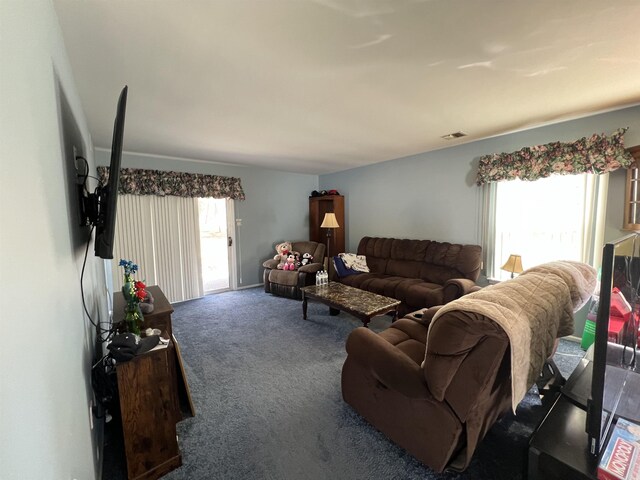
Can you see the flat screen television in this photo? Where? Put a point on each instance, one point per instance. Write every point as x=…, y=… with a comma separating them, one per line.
x=99, y=208
x=615, y=382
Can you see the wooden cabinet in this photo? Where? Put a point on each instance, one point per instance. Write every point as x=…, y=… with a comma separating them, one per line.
x=632, y=193
x=153, y=394
x=318, y=206
x=149, y=410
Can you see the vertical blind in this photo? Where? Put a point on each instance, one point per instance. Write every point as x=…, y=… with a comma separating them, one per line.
x=161, y=235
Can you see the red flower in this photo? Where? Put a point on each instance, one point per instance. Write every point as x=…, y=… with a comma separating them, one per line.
x=140, y=286
x=141, y=294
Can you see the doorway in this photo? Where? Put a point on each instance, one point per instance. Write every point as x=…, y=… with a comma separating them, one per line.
x=216, y=242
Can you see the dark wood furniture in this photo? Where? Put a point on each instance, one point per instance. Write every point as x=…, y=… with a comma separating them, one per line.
x=359, y=303
x=559, y=448
x=160, y=318
x=152, y=387
x=149, y=409
x=318, y=206
x=632, y=193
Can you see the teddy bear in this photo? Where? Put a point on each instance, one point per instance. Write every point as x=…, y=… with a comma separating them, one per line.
x=306, y=259
x=291, y=262
x=283, y=250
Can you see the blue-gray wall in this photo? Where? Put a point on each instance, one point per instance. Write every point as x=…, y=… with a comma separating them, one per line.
x=46, y=431
x=276, y=206
x=433, y=195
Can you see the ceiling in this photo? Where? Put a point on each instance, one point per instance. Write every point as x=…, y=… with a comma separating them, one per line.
x=319, y=86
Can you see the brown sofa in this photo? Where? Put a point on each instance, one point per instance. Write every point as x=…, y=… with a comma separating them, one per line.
x=419, y=273
x=438, y=398
x=287, y=283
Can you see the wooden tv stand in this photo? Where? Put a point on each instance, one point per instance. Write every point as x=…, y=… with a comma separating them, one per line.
x=152, y=389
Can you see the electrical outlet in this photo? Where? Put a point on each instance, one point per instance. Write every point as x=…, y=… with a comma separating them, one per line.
x=238, y=222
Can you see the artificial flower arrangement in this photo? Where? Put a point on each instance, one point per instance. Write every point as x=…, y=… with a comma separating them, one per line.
x=134, y=292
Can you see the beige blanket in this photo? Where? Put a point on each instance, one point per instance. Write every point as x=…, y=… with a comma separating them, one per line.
x=534, y=309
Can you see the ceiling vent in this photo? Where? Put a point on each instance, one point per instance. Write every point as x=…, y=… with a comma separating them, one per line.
x=451, y=136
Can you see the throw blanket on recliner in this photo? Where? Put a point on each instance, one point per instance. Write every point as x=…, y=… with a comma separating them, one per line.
x=533, y=309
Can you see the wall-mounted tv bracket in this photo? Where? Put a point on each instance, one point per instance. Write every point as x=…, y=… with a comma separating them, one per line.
x=88, y=203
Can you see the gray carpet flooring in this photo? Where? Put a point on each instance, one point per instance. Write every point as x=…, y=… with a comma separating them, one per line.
x=266, y=388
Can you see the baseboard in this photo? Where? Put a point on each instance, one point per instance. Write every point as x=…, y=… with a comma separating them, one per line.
x=244, y=287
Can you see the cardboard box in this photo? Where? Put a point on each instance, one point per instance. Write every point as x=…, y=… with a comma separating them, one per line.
x=621, y=458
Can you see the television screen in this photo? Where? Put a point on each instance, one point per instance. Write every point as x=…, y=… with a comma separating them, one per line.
x=615, y=383
x=108, y=194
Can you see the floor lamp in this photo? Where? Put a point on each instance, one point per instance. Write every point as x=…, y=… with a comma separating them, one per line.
x=330, y=222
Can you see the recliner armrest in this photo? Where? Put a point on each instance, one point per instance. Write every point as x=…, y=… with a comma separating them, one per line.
x=311, y=268
x=457, y=287
x=271, y=263
x=388, y=364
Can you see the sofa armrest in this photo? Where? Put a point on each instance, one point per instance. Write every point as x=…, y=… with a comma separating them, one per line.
x=389, y=365
x=424, y=315
x=457, y=287
x=271, y=263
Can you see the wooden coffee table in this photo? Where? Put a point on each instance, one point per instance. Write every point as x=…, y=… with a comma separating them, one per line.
x=359, y=303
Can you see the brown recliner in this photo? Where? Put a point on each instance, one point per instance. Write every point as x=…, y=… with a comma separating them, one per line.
x=287, y=283
x=438, y=398
x=441, y=410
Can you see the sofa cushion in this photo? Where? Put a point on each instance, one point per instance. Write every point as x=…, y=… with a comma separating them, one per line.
x=395, y=256
x=424, y=293
x=361, y=280
x=409, y=337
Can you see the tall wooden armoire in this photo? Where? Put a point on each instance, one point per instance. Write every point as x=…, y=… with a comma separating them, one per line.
x=318, y=206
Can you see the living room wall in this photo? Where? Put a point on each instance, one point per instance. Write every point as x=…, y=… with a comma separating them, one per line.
x=433, y=195
x=276, y=207
x=47, y=353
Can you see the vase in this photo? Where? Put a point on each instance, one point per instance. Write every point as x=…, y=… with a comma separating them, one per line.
x=133, y=318
x=132, y=313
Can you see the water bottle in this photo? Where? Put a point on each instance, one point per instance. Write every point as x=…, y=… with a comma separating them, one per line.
x=317, y=279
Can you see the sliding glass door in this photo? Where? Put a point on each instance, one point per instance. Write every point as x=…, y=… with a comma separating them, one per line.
x=216, y=243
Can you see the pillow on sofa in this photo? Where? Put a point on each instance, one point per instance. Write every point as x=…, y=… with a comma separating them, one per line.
x=341, y=269
x=355, y=262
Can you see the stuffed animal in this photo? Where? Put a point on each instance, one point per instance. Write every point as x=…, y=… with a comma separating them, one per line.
x=307, y=258
x=291, y=262
x=283, y=250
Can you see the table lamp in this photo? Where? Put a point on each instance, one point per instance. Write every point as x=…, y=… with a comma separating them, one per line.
x=329, y=222
x=513, y=264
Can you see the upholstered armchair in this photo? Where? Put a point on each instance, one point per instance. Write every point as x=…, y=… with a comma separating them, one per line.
x=287, y=283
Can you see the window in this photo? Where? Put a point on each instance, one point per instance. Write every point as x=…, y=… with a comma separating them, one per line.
x=162, y=236
x=554, y=218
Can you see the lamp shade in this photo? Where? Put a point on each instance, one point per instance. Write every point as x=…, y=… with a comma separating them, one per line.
x=330, y=221
x=513, y=264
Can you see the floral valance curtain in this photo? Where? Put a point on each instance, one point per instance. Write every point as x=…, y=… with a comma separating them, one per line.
x=594, y=154
x=138, y=181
